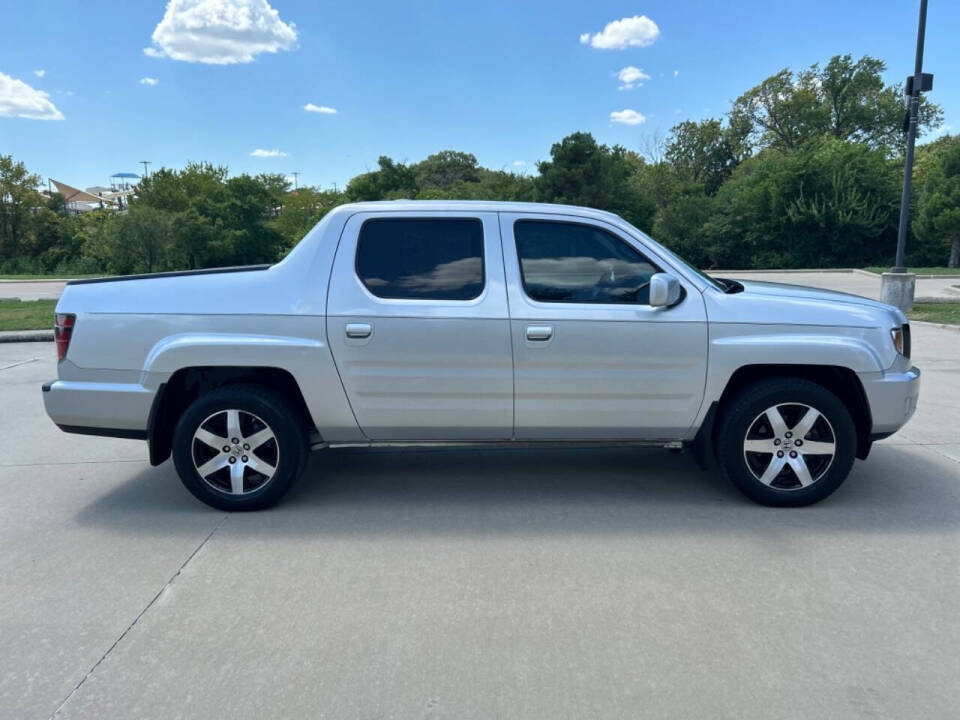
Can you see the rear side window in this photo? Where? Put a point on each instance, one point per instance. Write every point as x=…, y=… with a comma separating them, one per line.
x=422, y=259
x=571, y=263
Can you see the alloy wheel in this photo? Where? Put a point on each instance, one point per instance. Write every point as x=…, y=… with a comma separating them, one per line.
x=789, y=446
x=235, y=452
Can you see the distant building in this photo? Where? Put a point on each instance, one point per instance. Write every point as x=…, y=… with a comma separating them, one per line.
x=115, y=197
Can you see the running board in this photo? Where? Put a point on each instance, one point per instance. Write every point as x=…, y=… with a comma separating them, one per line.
x=317, y=444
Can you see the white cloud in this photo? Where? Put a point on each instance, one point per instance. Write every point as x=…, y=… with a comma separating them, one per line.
x=322, y=109
x=627, y=117
x=636, y=31
x=220, y=32
x=631, y=77
x=17, y=99
x=40, y=73
x=519, y=163
x=148, y=81
x=676, y=72
x=261, y=153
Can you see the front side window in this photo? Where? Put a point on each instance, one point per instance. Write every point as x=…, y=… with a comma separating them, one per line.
x=421, y=259
x=572, y=263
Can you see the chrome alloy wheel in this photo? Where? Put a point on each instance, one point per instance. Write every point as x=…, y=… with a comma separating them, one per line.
x=789, y=446
x=235, y=452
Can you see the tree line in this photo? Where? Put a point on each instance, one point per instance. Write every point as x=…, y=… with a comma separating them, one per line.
x=804, y=170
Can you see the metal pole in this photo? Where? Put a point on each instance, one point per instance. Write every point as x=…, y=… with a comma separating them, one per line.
x=145, y=163
x=900, y=266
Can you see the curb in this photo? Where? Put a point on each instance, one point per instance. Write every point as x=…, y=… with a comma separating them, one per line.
x=16, y=336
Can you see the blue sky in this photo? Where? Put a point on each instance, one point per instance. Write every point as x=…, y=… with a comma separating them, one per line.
x=503, y=80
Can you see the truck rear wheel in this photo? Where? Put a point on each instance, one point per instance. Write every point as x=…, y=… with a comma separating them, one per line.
x=239, y=447
x=786, y=442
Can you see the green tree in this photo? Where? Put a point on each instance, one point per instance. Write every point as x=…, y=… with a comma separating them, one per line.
x=939, y=206
x=444, y=169
x=138, y=241
x=702, y=152
x=391, y=181
x=18, y=197
x=846, y=99
x=302, y=209
x=829, y=203
x=583, y=172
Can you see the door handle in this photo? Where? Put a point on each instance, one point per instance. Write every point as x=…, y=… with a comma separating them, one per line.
x=539, y=332
x=358, y=330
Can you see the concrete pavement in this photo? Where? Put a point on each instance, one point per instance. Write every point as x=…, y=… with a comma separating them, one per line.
x=523, y=583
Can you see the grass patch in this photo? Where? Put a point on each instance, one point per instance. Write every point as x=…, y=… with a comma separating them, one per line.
x=948, y=313
x=27, y=277
x=26, y=314
x=918, y=270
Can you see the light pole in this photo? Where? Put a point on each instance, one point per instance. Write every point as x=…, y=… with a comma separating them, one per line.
x=145, y=163
x=897, y=286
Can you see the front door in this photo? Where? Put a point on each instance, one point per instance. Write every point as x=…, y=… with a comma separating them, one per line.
x=592, y=359
x=418, y=326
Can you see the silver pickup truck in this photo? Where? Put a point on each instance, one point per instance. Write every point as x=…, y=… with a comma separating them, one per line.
x=481, y=323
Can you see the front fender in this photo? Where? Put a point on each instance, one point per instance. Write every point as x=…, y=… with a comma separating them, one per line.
x=852, y=352
x=734, y=346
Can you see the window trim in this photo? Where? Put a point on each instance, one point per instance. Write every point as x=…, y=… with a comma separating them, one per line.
x=388, y=218
x=615, y=236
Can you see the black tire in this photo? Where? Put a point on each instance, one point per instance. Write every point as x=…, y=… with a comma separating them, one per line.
x=259, y=407
x=789, y=395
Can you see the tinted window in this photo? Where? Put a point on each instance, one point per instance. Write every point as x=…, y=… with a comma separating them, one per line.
x=565, y=262
x=435, y=259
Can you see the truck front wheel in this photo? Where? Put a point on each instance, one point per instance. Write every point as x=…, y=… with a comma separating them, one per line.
x=239, y=447
x=786, y=442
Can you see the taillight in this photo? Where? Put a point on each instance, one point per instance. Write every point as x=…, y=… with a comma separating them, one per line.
x=63, y=331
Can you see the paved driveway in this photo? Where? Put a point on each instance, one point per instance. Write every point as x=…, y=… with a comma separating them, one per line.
x=588, y=583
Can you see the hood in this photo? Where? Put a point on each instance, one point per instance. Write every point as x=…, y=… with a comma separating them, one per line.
x=768, y=302
x=755, y=287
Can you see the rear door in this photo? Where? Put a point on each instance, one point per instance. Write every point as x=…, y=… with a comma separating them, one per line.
x=592, y=358
x=418, y=326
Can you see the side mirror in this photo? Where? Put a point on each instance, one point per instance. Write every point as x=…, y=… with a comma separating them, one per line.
x=664, y=290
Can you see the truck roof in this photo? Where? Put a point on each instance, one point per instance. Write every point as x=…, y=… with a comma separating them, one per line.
x=474, y=206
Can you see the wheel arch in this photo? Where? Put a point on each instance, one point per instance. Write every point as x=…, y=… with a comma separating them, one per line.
x=185, y=385
x=841, y=381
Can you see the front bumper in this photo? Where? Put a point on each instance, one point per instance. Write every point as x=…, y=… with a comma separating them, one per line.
x=892, y=397
x=97, y=408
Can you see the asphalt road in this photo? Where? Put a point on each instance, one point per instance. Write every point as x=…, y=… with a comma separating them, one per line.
x=587, y=583
x=31, y=289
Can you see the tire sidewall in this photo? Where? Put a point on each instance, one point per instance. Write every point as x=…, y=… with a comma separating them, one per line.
x=268, y=407
x=756, y=399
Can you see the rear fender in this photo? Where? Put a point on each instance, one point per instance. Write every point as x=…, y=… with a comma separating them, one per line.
x=308, y=361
